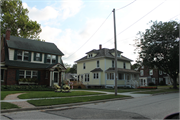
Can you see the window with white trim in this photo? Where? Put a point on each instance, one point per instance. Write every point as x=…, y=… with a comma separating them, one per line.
x=110, y=76
x=86, y=77
x=97, y=63
x=96, y=75
x=19, y=54
x=26, y=55
x=124, y=65
x=113, y=64
x=141, y=72
x=84, y=66
x=37, y=57
x=48, y=58
x=28, y=74
x=151, y=72
x=22, y=55
x=51, y=59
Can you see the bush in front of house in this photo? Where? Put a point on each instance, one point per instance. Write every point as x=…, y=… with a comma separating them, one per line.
x=151, y=84
x=25, y=88
x=146, y=87
x=35, y=80
x=162, y=83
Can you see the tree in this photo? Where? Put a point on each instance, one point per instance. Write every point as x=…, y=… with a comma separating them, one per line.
x=135, y=66
x=159, y=46
x=14, y=16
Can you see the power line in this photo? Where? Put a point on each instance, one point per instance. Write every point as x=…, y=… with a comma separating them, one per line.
x=139, y=19
x=125, y=5
x=91, y=36
x=174, y=16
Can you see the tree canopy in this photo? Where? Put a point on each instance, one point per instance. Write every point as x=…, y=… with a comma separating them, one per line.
x=159, y=46
x=14, y=16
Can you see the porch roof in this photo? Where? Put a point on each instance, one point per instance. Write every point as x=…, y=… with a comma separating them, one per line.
x=122, y=70
x=96, y=70
x=21, y=64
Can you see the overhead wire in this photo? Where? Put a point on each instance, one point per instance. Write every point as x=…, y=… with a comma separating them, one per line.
x=125, y=5
x=139, y=19
x=91, y=36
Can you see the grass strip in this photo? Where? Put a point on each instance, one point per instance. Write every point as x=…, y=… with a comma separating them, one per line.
x=6, y=105
x=158, y=91
x=47, y=102
x=46, y=94
x=5, y=93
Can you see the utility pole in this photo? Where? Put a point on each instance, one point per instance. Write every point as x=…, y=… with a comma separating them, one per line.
x=115, y=47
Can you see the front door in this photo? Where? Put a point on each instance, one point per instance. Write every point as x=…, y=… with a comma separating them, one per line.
x=56, y=78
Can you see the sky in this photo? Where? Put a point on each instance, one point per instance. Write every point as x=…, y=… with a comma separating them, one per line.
x=78, y=26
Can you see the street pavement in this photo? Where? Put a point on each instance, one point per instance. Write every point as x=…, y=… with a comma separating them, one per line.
x=144, y=107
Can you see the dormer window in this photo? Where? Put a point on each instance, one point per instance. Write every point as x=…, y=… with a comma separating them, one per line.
x=22, y=55
x=90, y=55
x=118, y=54
x=26, y=55
x=19, y=55
x=51, y=59
x=48, y=58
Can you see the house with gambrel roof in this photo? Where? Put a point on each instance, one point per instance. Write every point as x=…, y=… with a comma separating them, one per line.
x=26, y=58
x=97, y=69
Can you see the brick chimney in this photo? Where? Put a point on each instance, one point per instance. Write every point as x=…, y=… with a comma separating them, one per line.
x=8, y=33
x=100, y=46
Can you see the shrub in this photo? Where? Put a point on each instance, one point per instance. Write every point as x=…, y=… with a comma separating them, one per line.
x=161, y=83
x=25, y=88
x=151, y=84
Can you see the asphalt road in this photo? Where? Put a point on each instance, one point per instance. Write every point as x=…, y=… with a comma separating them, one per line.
x=152, y=107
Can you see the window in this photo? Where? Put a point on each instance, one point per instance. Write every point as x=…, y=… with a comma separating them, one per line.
x=53, y=58
x=110, y=76
x=124, y=64
x=113, y=64
x=160, y=72
x=2, y=74
x=118, y=54
x=37, y=57
x=160, y=79
x=150, y=72
x=98, y=63
x=48, y=58
x=19, y=55
x=26, y=55
x=21, y=74
x=28, y=74
x=81, y=77
x=153, y=80
x=142, y=67
x=141, y=72
x=96, y=75
x=120, y=76
x=90, y=55
x=128, y=77
x=86, y=77
x=35, y=74
x=84, y=66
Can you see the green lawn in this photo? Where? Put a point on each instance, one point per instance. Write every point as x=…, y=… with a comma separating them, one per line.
x=5, y=93
x=46, y=94
x=6, y=105
x=119, y=90
x=46, y=102
x=157, y=91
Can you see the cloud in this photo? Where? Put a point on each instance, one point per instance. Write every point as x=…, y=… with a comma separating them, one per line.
x=70, y=8
x=44, y=14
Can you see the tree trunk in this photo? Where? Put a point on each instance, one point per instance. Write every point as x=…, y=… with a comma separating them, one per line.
x=175, y=83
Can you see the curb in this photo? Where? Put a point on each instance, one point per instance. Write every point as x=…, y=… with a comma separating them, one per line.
x=63, y=105
x=165, y=93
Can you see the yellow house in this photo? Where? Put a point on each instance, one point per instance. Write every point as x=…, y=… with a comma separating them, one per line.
x=97, y=69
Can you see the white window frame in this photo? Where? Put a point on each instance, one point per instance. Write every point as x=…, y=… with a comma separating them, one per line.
x=37, y=57
x=86, y=78
x=160, y=72
x=113, y=64
x=110, y=76
x=22, y=59
x=31, y=73
x=151, y=72
x=124, y=65
x=51, y=58
x=96, y=75
x=98, y=64
x=84, y=65
x=141, y=72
